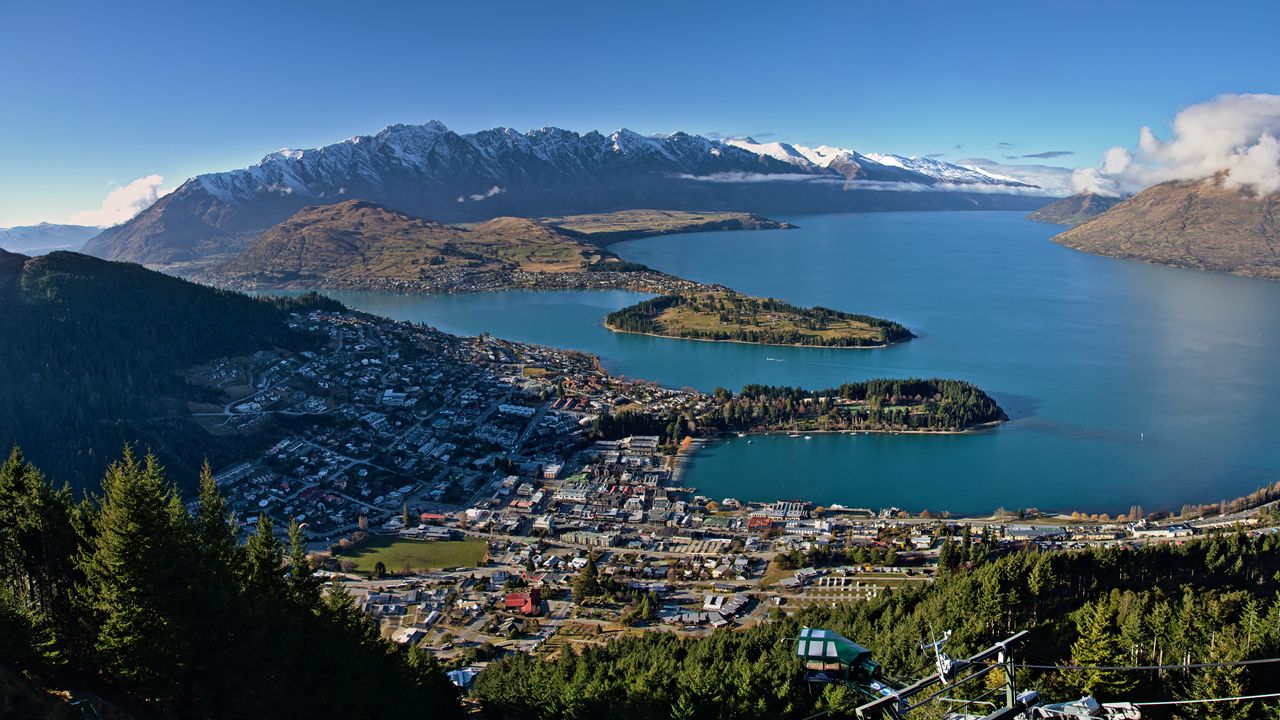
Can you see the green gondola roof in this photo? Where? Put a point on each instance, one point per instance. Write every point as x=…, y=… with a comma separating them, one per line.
x=828, y=646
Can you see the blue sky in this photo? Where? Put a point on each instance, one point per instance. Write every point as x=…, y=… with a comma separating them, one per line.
x=94, y=95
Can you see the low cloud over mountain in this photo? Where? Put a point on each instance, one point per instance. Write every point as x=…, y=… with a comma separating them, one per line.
x=1237, y=136
x=122, y=203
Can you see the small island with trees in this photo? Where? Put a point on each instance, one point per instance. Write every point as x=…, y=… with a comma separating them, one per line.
x=884, y=405
x=723, y=315
x=911, y=405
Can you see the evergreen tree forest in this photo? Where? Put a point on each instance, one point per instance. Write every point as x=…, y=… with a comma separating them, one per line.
x=163, y=612
x=92, y=355
x=872, y=405
x=910, y=404
x=1213, y=600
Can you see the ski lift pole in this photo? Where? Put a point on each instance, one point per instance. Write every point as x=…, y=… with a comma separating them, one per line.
x=1010, y=685
x=893, y=706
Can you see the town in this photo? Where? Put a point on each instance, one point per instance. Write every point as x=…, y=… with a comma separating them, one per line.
x=464, y=492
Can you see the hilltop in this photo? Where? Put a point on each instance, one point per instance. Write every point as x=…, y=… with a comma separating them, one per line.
x=1193, y=224
x=356, y=242
x=360, y=244
x=1075, y=209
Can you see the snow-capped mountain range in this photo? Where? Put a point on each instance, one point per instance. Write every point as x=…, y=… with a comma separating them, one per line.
x=875, y=167
x=432, y=172
x=42, y=238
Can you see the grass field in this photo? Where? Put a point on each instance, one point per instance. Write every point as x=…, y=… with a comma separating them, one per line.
x=730, y=316
x=698, y=320
x=398, y=554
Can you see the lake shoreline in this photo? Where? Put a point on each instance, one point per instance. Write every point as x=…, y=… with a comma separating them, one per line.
x=882, y=346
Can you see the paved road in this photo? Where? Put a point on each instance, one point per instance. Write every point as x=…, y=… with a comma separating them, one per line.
x=528, y=430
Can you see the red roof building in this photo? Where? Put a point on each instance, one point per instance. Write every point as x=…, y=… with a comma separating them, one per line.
x=525, y=603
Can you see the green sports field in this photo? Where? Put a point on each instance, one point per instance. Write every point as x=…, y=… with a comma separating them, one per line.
x=398, y=554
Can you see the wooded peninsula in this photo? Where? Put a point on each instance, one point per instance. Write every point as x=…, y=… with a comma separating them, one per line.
x=883, y=405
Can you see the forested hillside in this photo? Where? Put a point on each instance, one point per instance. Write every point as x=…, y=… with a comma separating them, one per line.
x=91, y=354
x=1207, y=601
x=165, y=613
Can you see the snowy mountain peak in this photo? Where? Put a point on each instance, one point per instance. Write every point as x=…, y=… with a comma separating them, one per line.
x=776, y=150
x=944, y=172
x=431, y=171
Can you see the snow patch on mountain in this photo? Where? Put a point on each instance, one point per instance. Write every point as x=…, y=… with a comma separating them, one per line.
x=432, y=155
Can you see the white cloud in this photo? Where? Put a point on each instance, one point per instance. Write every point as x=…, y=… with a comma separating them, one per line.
x=752, y=177
x=495, y=190
x=123, y=202
x=1237, y=135
x=1048, y=179
x=1031, y=174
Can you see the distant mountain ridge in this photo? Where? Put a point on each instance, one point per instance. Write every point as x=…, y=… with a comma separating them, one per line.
x=430, y=171
x=46, y=236
x=1196, y=224
x=1075, y=209
x=875, y=167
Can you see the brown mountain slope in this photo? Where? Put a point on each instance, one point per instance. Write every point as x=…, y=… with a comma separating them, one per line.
x=356, y=241
x=1075, y=209
x=1192, y=224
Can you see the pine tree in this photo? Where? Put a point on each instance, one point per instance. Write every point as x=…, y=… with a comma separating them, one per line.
x=38, y=545
x=134, y=572
x=304, y=587
x=1218, y=682
x=1099, y=644
x=587, y=583
x=948, y=556
x=265, y=560
x=214, y=525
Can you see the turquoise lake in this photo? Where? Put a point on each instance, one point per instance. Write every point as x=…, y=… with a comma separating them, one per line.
x=1126, y=383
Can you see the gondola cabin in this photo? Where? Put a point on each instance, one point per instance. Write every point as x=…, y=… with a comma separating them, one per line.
x=829, y=656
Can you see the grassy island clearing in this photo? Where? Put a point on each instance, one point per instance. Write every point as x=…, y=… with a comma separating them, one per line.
x=724, y=315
